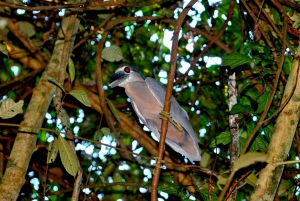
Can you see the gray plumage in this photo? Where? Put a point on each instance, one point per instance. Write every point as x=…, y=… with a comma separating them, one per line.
x=147, y=99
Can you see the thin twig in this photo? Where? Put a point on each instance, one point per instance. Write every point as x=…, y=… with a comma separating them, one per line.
x=93, y=31
x=212, y=40
x=233, y=187
x=191, y=167
x=82, y=6
x=167, y=103
x=98, y=71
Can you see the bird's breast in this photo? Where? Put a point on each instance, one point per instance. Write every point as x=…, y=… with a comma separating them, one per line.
x=140, y=94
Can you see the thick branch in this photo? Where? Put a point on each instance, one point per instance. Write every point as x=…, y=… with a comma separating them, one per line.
x=282, y=137
x=25, y=142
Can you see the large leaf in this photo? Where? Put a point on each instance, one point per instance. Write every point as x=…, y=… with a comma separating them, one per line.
x=239, y=108
x=259, y=144
x=262, y=102
x=251, y=179
x=113, y=109
x=10, y=109
x=65, y=118
x=248, y=159
x=242, y=142
x=27, y=28
x=112, y=53
x=253, y=93
x=223, y=138
x=52, y=151
x=81, y=96
x=235, y=59
x=68, y=157
x=54, y=81
x=269, y=131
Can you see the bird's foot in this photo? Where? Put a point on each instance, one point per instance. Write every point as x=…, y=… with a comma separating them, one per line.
x=155, y=164
x=165, y=115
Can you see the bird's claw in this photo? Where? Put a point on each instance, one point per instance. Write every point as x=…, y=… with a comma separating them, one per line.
x=165, y=115
x=157, y=158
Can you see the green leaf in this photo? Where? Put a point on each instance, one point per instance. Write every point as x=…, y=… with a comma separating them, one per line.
x=171, y=188
x=52, y=151
x=248, y=159
x=68, y=157
x=250, y=127
x=97, y=137
x=65, y=119
x=221, y=181
x=205, y=196
x=27, y=28
x=235, y=59
x=81, y=96
x=259, y=144
x=251, y=179
x=54, y=81
x=103, y=16
x=253, y=93
x=113, y=109
x=242, y=142
x=269, y=130
x=10, y=109
x=37, y=42
x=254, y=46
x=3, y=49
x=105, y=131
x=262, y=102
x=71, y=69
x=239, y=108
x=266, y=71
x=244, y=85
x=223, y=138
x=112, y=53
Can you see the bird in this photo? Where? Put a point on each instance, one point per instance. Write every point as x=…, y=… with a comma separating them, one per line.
x=147, y=97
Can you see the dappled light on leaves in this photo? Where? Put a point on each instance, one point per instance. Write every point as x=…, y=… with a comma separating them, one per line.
x=59, y=117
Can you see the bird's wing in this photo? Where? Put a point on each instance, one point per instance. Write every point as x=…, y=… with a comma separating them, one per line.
x=138, y=112
x=178, y=114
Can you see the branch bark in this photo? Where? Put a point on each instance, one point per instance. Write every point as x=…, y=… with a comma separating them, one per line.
x=25, y=142
x=282, y=138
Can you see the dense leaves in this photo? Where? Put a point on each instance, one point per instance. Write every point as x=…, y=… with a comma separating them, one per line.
x=139, y=34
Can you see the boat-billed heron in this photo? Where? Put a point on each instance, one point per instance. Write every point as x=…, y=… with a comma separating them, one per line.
x=147, y=98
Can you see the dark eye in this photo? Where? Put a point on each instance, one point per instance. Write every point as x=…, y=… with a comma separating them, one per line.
x=127, y=70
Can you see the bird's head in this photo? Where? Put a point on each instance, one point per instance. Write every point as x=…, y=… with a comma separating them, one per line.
x=124, y=75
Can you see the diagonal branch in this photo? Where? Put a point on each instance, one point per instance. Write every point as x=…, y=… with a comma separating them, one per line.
x=25, y=142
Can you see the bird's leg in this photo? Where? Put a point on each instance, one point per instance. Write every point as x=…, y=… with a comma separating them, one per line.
x=165, y=115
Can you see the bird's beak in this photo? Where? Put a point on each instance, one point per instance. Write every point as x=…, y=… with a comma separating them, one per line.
x=117, y=79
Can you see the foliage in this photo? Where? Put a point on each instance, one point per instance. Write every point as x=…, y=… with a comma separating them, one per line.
x=139, y=34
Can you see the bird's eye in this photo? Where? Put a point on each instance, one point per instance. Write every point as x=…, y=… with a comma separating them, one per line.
x=127, y=70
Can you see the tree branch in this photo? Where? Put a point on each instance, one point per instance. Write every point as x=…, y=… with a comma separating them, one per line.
x=167, y=103
x=25, y=142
